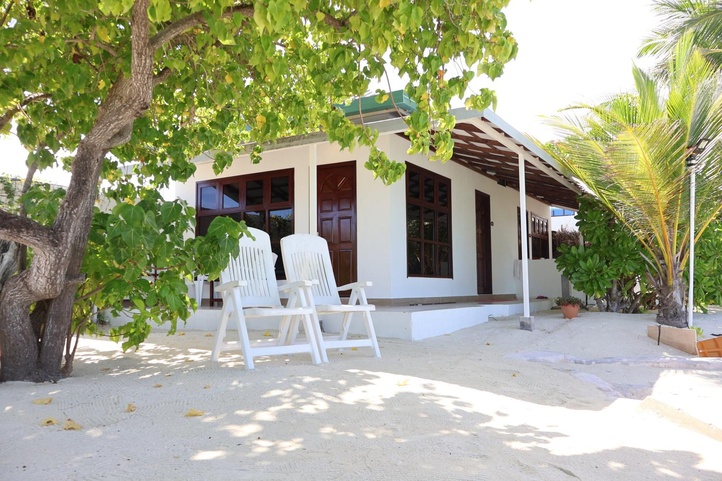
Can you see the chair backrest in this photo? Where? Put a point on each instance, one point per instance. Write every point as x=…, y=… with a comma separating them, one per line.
x=306, y=258
x=254, y=265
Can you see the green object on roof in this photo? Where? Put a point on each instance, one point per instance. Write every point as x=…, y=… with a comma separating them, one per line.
x=371, y=108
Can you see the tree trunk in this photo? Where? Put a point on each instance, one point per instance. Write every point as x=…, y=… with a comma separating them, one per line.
x=54, y=273
x=672, y=311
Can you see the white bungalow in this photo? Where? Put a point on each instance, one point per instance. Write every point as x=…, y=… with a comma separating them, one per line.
x=442, y=246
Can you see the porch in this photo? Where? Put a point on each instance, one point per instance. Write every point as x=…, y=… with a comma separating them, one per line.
x=413, y=321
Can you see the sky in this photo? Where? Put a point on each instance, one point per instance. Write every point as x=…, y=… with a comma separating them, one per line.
x=570, y=51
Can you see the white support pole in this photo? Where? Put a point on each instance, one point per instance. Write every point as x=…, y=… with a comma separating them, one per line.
x=313, y=189
x=692, y=202
x=524, y=237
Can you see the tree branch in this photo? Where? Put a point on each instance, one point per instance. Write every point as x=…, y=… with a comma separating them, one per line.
x=162, y=76
x=337, y=23
x=8, y=116
x=26, y=231
x=184, y=24
x=6, y=13
x=100, y=45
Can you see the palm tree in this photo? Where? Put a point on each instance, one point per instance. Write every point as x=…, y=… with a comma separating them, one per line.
x=703, y=18
x=631, y=152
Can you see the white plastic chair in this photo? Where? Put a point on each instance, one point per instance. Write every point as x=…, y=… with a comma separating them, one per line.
x=197, y=286
x=306, y=257
x=250, y=290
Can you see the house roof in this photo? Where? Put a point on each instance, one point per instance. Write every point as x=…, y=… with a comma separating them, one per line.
x=486, y=144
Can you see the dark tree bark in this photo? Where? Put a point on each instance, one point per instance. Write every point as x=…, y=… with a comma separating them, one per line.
x=55, y=271
x=672, y=310
x=32, y=346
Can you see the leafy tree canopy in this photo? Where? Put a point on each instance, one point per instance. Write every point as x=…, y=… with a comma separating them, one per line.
x=227, y=74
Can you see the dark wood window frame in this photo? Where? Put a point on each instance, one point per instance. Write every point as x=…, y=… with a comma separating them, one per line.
x=428, y=224
x=538, y=233
x=252, y=198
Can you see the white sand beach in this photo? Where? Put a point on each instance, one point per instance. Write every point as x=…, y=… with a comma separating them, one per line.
x=589, y=399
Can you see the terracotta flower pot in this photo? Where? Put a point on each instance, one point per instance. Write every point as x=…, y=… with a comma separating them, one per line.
x=570, y=311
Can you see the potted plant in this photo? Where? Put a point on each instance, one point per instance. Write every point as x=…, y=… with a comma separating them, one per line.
x=570, y=306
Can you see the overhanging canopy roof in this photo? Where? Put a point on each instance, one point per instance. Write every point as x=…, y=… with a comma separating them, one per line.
x=488, y=145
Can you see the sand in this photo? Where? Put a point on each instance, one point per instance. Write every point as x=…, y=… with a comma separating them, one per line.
x=588, y=399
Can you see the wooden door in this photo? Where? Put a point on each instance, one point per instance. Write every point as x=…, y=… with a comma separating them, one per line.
x=337, y=217
x=483, y=243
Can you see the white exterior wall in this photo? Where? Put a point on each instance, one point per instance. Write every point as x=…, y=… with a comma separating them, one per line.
x=381, y=220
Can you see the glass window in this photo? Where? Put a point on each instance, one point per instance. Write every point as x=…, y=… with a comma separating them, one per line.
x=538, y=234
x=208, y=200
x=231, y=196
x=412, y=184
x=254, y=192
x=264, y=201
x=255, y=219
x=279, y=190
x=428, y=224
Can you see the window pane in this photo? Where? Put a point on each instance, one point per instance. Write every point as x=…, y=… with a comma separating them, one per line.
x=208, y=198
x=443, y=195
x=444, y=262
x=413, y=184
x=254, y=192
x=256, y=219
x=429, y=190
x=413, y=221
x=413, y=258
x=231, y=196
x=281, y=223
x=203, y=223
x=279, y=189
x=443, y=227
x=429, y=259
x=429, y=224
x=276, y=249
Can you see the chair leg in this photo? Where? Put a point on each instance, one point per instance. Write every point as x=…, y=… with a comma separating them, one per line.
x=345, y=325
x=308, y=324
x=242, y=331
x=315, y=331
x=221, y=333
x=372, y=333
x=284, y=330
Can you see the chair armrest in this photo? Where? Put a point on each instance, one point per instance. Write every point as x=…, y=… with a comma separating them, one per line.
x=297, y=284
x=231, y=285
x=355, y=285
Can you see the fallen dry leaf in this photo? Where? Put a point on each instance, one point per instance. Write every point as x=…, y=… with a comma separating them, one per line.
x=131, y=407
x=207, y=386
x=181, y=333
x=157, y=385
x=45, y=400
x=402, y=383
x=71, y=425
x=267, y=334
x=354, y=348
x=210, y=334
x=187, y=360
x=193, y=413
x=49, y=422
